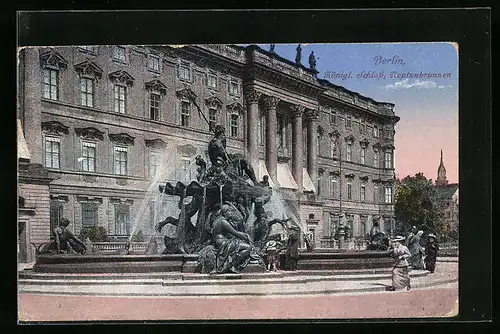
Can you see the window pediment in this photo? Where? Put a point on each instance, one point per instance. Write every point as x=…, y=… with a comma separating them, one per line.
x=122, y=77
x=350, y=139
x=122, y=138
x=186, y=93
x=188, y=150
x=364, y=178
x=89, y=133
x=364, y=143
x=55, y=127
x=53, y=58
x=156, y=144
x=350, y=176
x=377, y=181
x=156, y=85
x=89, y=68
x=335, y=134
x=235, y=107
x=213, y=102
x=389, y=147
x=335, y=173
x=388, y=182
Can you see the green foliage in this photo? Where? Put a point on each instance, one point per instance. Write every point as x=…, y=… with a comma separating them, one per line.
x=416, y=204
x=139, y=237
x=94, y=233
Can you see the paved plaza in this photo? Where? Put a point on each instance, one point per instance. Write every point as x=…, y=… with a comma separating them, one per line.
x=299, y=296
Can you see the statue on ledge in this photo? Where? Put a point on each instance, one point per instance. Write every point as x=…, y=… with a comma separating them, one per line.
x=312, y=61
x=64, y=241
x=299, y=55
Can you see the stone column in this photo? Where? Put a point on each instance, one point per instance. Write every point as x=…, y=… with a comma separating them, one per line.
x=252, y=98
x=297, y=145
x=32, y=104
x=312, y=145
x=270, y=103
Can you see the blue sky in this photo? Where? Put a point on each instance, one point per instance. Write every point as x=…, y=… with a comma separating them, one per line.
x=428, y=107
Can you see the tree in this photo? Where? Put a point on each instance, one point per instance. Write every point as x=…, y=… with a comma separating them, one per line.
x=416, y=204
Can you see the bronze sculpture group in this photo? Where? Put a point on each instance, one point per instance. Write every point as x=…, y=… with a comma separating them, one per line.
x=223, y=197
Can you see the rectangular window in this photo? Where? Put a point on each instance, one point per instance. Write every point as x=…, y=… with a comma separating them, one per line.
x=333, y=185
x=362, y=127
x=119, y=53
x=362, y=156
x=185, y=170
x=333, y=117
x=153, y=165
x=333, y=224
x=348, y=122
x=184, y=71
x=375, y=194
x=211, y=80
x=89, y=214
x=50, y=83
x=281, y=143
x=233, y=88
x=212, y=118
x=185, y=113
x=348, y=152
x=388, y=160
x=122, y=223
x=87, y=92
x=120, y=160
x=362, y=193
x=154, y=105
x=318, y=145
x=261, y=131
x=120, y=94
x=349, y=191
x=333, y=148
x=375, y=130
x=388, y=195
x=233, y=124
x=88, y=157
x=88, y=48
x=154, y=63
x=375, y=159
x=56, y=214
x=318, y=185
x=52, y=152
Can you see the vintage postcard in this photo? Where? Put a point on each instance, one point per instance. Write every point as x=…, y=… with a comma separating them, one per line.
x=238, y=181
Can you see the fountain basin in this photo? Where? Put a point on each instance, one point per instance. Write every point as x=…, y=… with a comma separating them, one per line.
x=187, y=263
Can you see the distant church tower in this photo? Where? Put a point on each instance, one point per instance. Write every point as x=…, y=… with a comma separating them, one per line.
x=441, y=179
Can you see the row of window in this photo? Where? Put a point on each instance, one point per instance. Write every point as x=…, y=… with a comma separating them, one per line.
x=90, y=216
x=332, y=191
x=388, y=155
x=50, y=91
x=282, y=145
x=88, y=163
x=362, y=125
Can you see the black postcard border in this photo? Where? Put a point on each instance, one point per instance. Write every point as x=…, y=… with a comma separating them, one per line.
x=328, y=26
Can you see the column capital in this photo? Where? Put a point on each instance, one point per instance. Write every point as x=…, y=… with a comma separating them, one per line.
x=270, y=102
x=312, y=114
x=252, y=95
x=297, y=110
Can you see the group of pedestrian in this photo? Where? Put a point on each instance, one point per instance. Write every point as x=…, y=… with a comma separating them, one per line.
x=412, y=255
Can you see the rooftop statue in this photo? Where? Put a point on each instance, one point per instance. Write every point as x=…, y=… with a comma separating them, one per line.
x=299, y=55
x=312, y=61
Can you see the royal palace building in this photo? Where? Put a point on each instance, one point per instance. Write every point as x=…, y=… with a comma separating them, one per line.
x=100, y=127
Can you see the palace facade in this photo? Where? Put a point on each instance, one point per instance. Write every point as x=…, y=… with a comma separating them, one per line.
x=104, y=125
